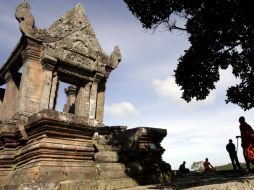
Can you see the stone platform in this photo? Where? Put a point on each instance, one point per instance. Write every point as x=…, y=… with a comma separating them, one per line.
x=61, y=151
x=220, y=180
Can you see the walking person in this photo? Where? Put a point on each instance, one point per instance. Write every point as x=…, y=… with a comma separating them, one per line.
x=233, y=154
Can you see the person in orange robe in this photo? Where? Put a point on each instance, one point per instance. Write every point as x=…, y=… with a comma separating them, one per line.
x=247, y=135
x=208, y=166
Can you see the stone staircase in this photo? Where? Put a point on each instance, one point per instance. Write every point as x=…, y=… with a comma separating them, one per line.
x=111, y=173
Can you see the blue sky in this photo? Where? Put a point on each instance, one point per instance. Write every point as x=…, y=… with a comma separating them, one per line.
x=141, y=91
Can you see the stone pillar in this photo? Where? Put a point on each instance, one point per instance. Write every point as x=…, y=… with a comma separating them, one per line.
x=11, y=96
x=53, y=93
x=46, y=89
x=48, y=65
x=100, y=101
x=71, y=93
x=93, y=99
x=83, y=100
x=32, y=80
x=2, y=92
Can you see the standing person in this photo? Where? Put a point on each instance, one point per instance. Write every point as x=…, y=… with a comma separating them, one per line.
x=208, y=166
x=247, y=135
x=233, y=154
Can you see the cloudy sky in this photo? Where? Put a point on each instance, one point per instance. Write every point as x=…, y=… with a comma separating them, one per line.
x=142, y=91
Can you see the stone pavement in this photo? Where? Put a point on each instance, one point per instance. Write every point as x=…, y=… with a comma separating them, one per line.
x=220, y=180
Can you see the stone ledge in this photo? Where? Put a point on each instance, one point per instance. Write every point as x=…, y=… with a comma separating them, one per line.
x=59, y=117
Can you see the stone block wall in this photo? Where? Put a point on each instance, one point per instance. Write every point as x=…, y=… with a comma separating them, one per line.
x=58, y=147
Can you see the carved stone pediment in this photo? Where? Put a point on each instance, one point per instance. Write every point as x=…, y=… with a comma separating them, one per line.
x=70, y=40
x=75, y=41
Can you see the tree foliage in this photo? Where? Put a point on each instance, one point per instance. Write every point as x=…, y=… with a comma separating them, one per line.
x=197, y=166
x=221, y=34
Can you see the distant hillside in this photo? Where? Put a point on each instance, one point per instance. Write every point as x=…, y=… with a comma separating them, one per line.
x=228, y=167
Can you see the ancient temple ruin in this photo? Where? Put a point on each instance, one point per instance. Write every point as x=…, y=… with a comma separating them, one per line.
x=41, y=148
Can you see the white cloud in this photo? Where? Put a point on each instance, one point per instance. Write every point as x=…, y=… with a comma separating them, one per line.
x=227, y=79
x=122, y=110
x=168, y=89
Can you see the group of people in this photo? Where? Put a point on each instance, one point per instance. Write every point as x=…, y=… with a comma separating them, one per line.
x=207, y=167
x=247, y=136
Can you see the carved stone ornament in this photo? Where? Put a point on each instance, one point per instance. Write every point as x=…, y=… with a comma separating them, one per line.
x=115, y=57
x=25, y=19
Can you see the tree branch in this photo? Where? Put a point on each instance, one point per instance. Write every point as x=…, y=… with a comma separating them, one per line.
x=171, y=24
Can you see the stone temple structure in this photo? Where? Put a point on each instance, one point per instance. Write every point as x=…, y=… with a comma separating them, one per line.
x=41, y=148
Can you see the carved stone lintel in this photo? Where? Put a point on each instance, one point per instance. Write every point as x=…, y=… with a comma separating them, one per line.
x=48, y=63
x=74, y=73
